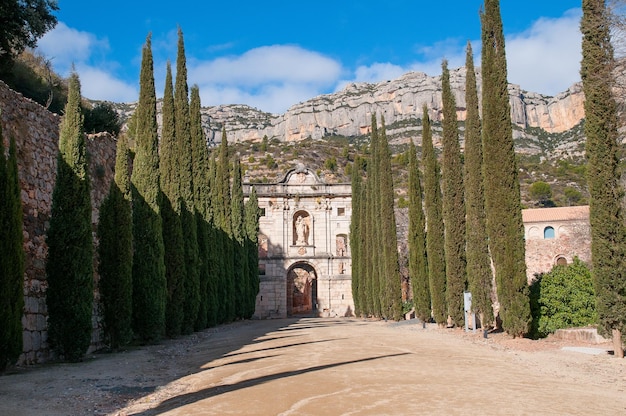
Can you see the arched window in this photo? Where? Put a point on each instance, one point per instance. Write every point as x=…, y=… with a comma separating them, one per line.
x=561, y=261
x=548, y=233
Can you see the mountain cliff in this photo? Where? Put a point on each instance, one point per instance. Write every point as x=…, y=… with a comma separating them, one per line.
x=348, y=112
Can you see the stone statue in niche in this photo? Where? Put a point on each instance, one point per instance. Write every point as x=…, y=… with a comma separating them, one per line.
x=341, y=245
x=302, y=231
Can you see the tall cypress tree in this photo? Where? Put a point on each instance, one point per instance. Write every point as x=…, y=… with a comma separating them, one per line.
x=502, y=190
x=222, y=215
x=149, y=282
x=356, y=238
x=171, y=206
x=11, y=257
x=453, y=203
x=185, y=177
x=434, y=224
x=391, y=299
x=606, y=215
x=418, y=261
x=216, y=250
x=115, y=234
x=240, y=259
x=69, y=266
x=373, y=202
x=252, y=214
x=201, y=199
x=479, y=275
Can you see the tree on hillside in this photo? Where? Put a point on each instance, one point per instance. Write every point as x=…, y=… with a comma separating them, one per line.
x=149, y=283
x=22, y=23
x=418, y=261
x=606, y=215
x=479, y=274
x=115, y=266
x=69, y=267
x=11, y=258
x=434, y=224
x=185, y=176
x=171, y=202
x=502, y=191
x=453, y=204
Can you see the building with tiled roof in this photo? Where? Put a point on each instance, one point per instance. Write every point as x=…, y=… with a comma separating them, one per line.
x=555, y=236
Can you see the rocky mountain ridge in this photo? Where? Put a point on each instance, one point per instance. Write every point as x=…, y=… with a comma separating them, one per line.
x=347, y=113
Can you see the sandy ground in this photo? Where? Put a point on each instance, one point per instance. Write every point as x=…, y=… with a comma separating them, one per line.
x=327, y=367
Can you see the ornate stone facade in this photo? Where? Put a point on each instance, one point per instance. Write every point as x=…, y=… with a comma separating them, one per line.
x=304, y=247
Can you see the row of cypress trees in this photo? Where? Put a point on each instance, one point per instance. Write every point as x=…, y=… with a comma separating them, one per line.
x=472, y=209
x=177, y=245
x=375, y=270
x=11, y=257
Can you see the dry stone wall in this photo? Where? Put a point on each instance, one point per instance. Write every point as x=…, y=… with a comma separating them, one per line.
x=36, y=132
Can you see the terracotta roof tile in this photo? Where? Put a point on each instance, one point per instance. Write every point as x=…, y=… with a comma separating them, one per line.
x=555, y=214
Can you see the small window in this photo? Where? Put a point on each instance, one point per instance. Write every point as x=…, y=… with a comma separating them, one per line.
x=341, y=212
x=548, y=233
x=262, y=212
x=261, y=269
x=561, y=261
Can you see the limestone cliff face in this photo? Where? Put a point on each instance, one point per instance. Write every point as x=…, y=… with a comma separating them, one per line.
x=348, y=112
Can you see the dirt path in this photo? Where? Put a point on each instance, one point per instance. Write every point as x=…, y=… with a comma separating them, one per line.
x=325, y=367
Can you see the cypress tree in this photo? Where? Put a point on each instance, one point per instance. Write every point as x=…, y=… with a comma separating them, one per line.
x=418, y=261
x=115, y=235
x=69, y=266
x=171, y=202
x=252, y=214
x=479, y=275
x=391, y=299
x=201, y=199
x=434, y=224
x=185, y=177
x=606, y=215
x=223, y=222
x=149, y=282
x=502, y=190
x=453, y=204
x=240, y=258
x=356, y=239
x=11, y=257
x=373, y=198
x=216, y=250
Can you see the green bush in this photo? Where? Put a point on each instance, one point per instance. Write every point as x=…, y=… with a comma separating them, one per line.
x=563, y=298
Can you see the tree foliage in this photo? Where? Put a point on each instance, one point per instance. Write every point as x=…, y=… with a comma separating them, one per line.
x=115, y=267
x=479, y=274
x=434, y=224
x=418, y=260
x=608, y=232
x=566, y=298
x=149, y=283
x=22, y=23
x=11, y=257
x=69, y=265
x=502, y=191
x=453, y=204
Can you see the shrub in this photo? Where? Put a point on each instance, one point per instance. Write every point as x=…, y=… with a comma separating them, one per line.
x=563, y=298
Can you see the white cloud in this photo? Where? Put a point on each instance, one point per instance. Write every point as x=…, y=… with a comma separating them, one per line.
x=67, y=47
x=546, y=58
x=271, y=78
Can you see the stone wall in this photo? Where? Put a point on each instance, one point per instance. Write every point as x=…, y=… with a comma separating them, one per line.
x=36, y=132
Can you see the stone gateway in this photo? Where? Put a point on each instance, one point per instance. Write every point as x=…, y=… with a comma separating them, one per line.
x=304, y=249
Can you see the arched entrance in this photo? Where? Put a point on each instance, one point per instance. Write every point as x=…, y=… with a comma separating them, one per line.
x=301, y=290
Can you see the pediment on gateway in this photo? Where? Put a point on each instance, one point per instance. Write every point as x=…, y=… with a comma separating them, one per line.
x=301, y=175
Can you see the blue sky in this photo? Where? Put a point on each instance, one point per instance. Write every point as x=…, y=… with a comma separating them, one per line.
x=272, y=54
